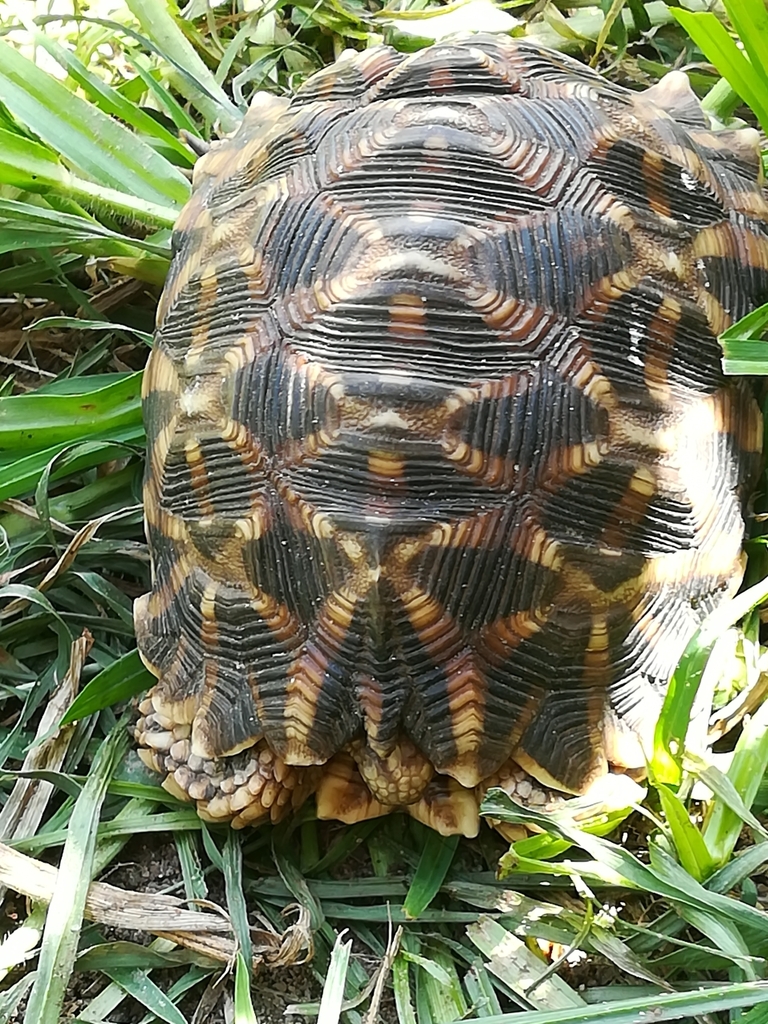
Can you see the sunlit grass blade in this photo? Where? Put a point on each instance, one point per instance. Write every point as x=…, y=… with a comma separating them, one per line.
x=401, y=988
x=195, y=81
x=110, y=100
x=745, y=357
x=750, y=761
x=333, y=989
x=667, y=1006
x=744, y=350
x=675, y=717
x=244, y=1013
x=26, y=226
x=525, y=973
x=65, y=911
x=46, y=323
x=99, y=146
x=713, y=40
x=28, y=165
x=689, y=842
x=750, y=20
x=435, y=23
x=37, y=421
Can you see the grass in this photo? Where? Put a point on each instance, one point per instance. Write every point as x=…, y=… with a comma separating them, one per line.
x=665, y=917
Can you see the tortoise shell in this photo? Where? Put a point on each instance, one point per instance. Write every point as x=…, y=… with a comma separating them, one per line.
x=443, y=468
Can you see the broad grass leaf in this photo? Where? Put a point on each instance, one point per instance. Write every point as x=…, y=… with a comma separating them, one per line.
x=750, y=20
x=689, y=842
x=65, y=912
x=333, y=989
x=123, y=679
x=436, y=857
x=713, y=40
x=100, y=147
x=662, y=1007
x=666, y=878
x=521, y=969
x=110, y=100
x=195, y=80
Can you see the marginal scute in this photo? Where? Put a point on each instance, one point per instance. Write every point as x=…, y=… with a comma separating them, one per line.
x=443, y=468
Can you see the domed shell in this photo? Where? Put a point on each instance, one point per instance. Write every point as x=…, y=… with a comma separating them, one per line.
x=443, y=469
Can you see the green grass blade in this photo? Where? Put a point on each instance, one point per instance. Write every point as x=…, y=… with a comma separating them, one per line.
x=436, y=856
x=726, y=937
x=110, y=100
x=674, y=720
x=713, y=40
x=25, y=226
x=20, y=476
x=333, y=989
x=232, y=859
x=485, y=1002
x=11, y=998
x=750, y=20
x=244, y=1013
x=438, y=973
x=163, y=97
x=744, y=350
x=47, y=322
x=141, y=987
x=750, y=760
x=670, y=1006
x=65, y=912
x=742, y=357
x=518, y=967
x=102, y=148
x=618, y=866
x=120, y=681
x=689, y=842
x=195, y=885
x=29, y=165
x=282, y=854
x=757, y=1015
x=198, y=84
x=444, y=995
x=401, y=988
x=130, y=955
x=33, y=422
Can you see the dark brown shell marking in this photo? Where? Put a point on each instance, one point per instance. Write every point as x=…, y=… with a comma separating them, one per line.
x=443, y=469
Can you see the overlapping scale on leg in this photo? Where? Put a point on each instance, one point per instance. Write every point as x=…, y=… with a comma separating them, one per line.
x=246, y=788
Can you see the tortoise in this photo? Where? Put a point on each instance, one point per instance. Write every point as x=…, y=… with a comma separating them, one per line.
x=443, y=468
